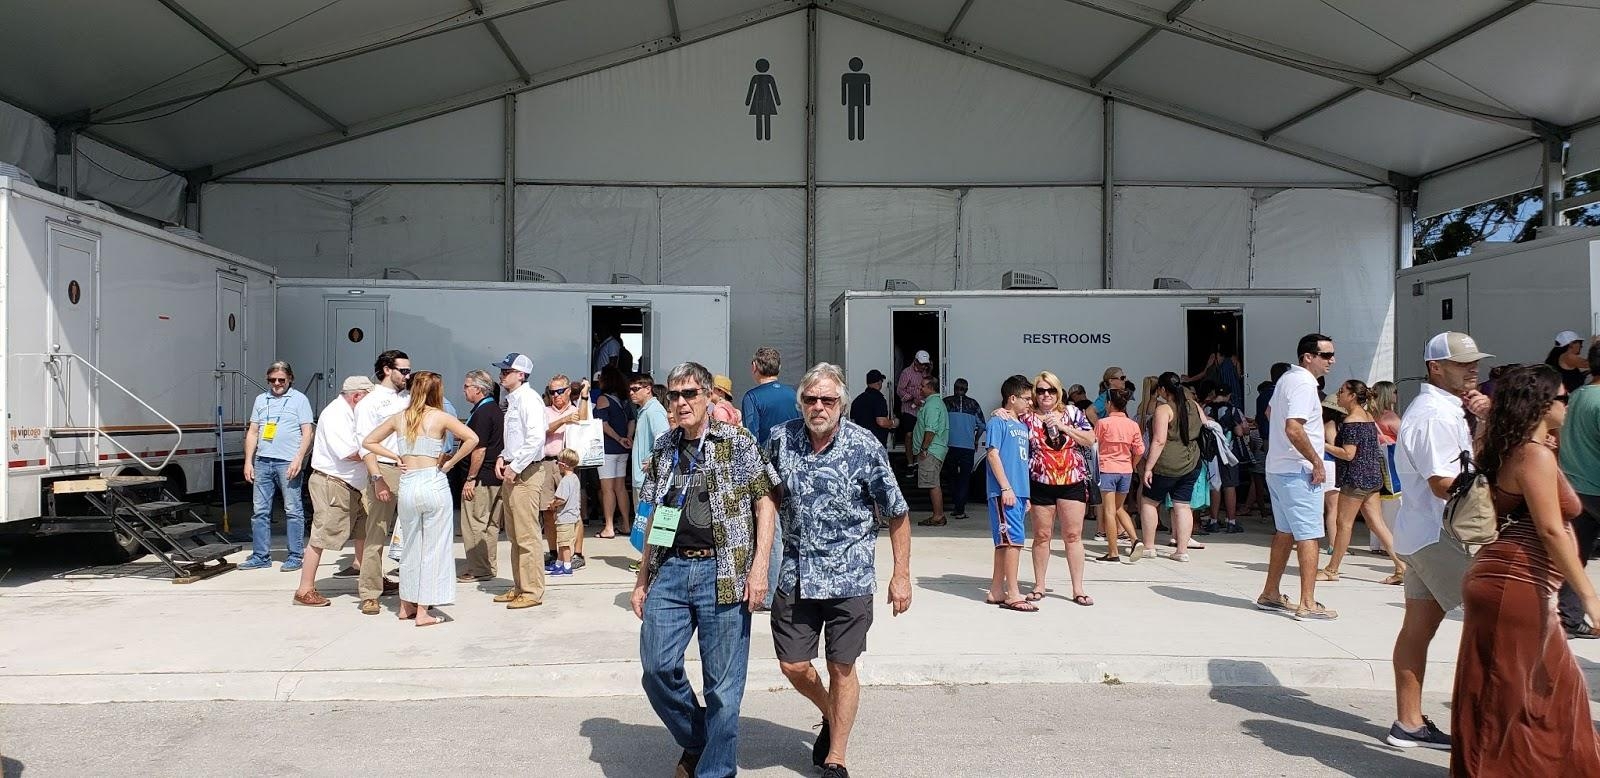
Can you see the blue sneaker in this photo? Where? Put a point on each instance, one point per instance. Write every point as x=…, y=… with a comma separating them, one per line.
x=1428, y=736
x=255, y=564
x=290, y=566
x=551, y=568
x=562, y=570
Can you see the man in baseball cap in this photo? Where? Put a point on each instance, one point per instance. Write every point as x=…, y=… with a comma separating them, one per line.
x=518, y=362
x=336, y=482
x=870, y=409
x=908, y=389
x=1433, y=435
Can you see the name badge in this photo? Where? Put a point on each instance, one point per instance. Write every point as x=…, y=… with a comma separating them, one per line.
x=269, y=430
x=664, y=530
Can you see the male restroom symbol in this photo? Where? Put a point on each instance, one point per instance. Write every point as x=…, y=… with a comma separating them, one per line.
x=855, y=93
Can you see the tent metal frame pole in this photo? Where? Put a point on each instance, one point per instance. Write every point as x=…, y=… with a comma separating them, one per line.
x=1555, y=181
x=508, y=240
x=672, y=16
x=811, y=186
x=500, y=40
x=1108, y=189
x=961, y=15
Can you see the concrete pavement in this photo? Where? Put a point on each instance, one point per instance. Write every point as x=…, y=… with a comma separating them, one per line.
x=86, y=635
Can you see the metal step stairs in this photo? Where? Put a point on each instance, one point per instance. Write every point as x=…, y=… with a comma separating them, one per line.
x=170, y=528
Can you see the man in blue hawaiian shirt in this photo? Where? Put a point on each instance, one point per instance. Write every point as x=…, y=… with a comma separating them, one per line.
x=831, y=474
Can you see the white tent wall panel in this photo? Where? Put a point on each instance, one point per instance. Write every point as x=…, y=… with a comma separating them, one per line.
x=1583, y=153
x=443, y=231
x=563, y=33
x=1404, y=136
x=675, y=117
x=1335, y=32
x=938, y=117
x=1514, y=171
x=1343, y=244
x=105, y=173
x=303, y=231
x=27, y=142
x=1037, y=29
x=1056, y=230
x=587, y=233
x=238, y=121
x=463, y=144
x=752, y=240
x=1153, y=148
x=1198, y=234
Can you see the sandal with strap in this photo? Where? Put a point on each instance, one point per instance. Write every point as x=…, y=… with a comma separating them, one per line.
x=1021, y=606
x=1083, y=599
x=1326, y=575
x=1035, y=596
x=1393, y=580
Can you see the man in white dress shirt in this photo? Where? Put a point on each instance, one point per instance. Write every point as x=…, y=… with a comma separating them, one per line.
x=388, y=397
x=336, y=482
x=523, y=489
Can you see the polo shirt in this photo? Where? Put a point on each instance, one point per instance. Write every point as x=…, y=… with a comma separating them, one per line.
x=1433, y=433
x=1294, y=398
x=288, y=412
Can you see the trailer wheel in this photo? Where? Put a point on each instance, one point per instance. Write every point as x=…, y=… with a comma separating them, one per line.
x=115, y=548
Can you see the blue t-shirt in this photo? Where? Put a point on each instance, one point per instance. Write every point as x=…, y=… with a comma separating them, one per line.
x=1011, y=437
x=965, y=416
x=287, y=413
x=766, y=406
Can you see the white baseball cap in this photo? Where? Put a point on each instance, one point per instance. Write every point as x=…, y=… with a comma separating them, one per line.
x=923, y=358
x=514, y=361
x=1453, y=347
x=357, y=383
x=1566, y=337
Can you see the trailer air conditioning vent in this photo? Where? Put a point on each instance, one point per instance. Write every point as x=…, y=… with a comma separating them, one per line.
x=539, y=275
x=182, y=232
x=12, y=171
x=99, y=206
x=1026, y=279
x=1166, y=282
x=900, y=285
x=626, y=278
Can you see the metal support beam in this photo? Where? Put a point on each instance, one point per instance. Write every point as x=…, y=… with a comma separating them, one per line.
x=1310, y=112
x=672, y=16
x=508, y=215
x=1307, y=63
x=244, y=59
x=811, y=187
x=505, y=48
x=66, y=162
x=1126, y=97
x=1116, y=62
x=268, y=71
x=1108, y=188
x=1453, y=38
x=1555, y=180
x=1405, y=210
x=950, y=32
x=498, y=91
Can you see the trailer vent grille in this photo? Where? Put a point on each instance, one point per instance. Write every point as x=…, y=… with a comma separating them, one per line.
x=184, y=232
x=99, y=206
x=900, y=285
x=12, y=171
x=1166, y=282
x=540, y=275
x=1024, y=279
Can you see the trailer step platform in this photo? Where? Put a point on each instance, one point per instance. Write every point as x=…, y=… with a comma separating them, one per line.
x=170, y=528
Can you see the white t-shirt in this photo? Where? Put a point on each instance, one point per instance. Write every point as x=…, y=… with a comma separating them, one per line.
x=376, y=408
x=1294, y=397
x=567, y=490
x=335, y=441
x=1433, y=433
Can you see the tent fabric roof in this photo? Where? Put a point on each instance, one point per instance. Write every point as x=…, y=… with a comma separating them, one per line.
x=216, y=86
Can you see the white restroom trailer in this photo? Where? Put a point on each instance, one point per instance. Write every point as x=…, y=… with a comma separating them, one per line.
x=986, y=336
x=336, y=328
x=1511, y=297
x=120, y=339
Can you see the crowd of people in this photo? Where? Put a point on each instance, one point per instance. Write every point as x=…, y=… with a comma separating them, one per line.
x=777, y=505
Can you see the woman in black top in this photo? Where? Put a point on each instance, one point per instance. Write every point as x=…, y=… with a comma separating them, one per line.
x=1568, y=360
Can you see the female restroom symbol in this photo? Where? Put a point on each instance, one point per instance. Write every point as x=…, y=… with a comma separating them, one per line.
x=762, y=97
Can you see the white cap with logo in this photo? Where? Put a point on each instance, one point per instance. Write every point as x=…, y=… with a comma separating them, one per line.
x=1565, y=338
x=1453, y=347
x=514, y=361
x=922, y=358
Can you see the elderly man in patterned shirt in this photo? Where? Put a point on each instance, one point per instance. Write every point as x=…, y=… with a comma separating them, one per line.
x=831, y=474
x=708, y=492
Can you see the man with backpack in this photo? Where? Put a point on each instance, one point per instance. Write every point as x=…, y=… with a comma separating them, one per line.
x=1433, y=435
x=1225, y=497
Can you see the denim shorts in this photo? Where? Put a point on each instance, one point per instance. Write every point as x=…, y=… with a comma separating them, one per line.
x=1297, y=505
x=1116, y=483
x=1179, y=487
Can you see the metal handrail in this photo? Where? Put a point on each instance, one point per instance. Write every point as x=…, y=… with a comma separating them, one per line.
x=245, y=376
x=171, y=452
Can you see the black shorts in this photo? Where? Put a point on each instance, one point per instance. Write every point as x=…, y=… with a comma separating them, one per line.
x=908, y=422
x=1229, y=474
x=798, y=623
x=1179, y=487
x=1047, y=494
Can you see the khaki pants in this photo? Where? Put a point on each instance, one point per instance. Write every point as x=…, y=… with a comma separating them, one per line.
x=522, y=497
x=481, y=520
x=379, y=528
x=338, y=511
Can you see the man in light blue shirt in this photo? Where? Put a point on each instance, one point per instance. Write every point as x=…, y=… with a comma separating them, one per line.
x=650, y=424
x=275, y=450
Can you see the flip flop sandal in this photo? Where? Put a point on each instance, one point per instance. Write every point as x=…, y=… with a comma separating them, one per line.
x=987, y=601
x=1035, y=596
x=1393, y=580
x=1020, y=606
x=1084, y=600
x=1324, y=575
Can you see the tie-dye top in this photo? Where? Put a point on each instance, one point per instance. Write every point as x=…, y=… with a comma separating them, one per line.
x=1054, y=460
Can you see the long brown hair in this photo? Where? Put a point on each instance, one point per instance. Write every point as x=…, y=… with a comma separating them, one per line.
x=1522, y=396
x=427, y=393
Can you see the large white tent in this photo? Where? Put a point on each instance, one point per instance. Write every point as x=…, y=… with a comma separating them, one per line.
x=1230, y=143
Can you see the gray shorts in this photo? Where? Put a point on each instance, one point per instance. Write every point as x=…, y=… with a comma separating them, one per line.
x=797, y=624
x=1436, y=571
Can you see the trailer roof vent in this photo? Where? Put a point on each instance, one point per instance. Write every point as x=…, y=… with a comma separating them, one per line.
x=12, y=171
x=540, y=275
x=1027, y=279
x=1167, y=282
x=626, y=278
x=99, y=206
x=183, y=232
x=900, y=285
x=400, y=272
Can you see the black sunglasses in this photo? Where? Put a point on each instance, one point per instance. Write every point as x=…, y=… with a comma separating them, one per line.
x=285, y=380
x=1325, y=354
x=1046, y=390
x=1563, y=398
x=808, y=400
x=403, y=370
x=562, y=390
x=686, y=394
x=640, y=387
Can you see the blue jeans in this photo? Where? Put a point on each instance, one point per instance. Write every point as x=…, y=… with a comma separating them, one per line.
x=271, y=476
x=683, y=599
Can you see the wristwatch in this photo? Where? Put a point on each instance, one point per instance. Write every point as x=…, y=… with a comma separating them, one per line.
x=374, y=477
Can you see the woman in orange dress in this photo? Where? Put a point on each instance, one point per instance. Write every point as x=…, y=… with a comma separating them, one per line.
x=1521, y=703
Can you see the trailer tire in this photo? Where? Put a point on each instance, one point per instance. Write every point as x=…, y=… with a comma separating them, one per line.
x=115, y=548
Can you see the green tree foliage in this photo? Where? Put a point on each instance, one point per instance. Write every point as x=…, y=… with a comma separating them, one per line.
x=1513, y=217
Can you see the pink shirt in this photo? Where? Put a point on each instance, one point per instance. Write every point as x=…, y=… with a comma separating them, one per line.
x=557, y=440
x=1120, y=442
x=909, y=387
x=726, y=413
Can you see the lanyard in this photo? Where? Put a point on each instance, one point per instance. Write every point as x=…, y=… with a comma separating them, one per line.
x=481, y=402
x=694, y=462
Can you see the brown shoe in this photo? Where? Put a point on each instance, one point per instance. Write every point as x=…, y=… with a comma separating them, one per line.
x=369, y=607
x=470, y=578
x=311, y=599
x=523, y=601
x=390, y=588
x=507, y=596
x=686, y=765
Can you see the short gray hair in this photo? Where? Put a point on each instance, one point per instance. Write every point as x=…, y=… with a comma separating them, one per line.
x=825, y=371
x=281, y=365
x=767, y=362
x=481, y=380
x=690, y=370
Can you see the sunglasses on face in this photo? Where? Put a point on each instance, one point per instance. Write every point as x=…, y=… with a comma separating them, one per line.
x=558, y=390
x=277, y=380
x=1119, y=378
x=639, y=387
x=1563, y=398
x=684, y=394
x=403, y=370
x=1046, y=390
x=1325, y=354
x=503, y=372
x=808, y=400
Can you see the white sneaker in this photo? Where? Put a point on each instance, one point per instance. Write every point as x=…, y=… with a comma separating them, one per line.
x=1176, y=557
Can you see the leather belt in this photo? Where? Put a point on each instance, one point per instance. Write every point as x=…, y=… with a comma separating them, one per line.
x=694, y=553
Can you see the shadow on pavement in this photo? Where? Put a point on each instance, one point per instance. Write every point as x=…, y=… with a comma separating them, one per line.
x=9, y=767
x=624, y=750
x=1357, y=749
x=1202, y=596
x=969, y=586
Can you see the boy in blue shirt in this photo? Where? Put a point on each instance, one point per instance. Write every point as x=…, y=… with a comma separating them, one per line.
x=1007, y=439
